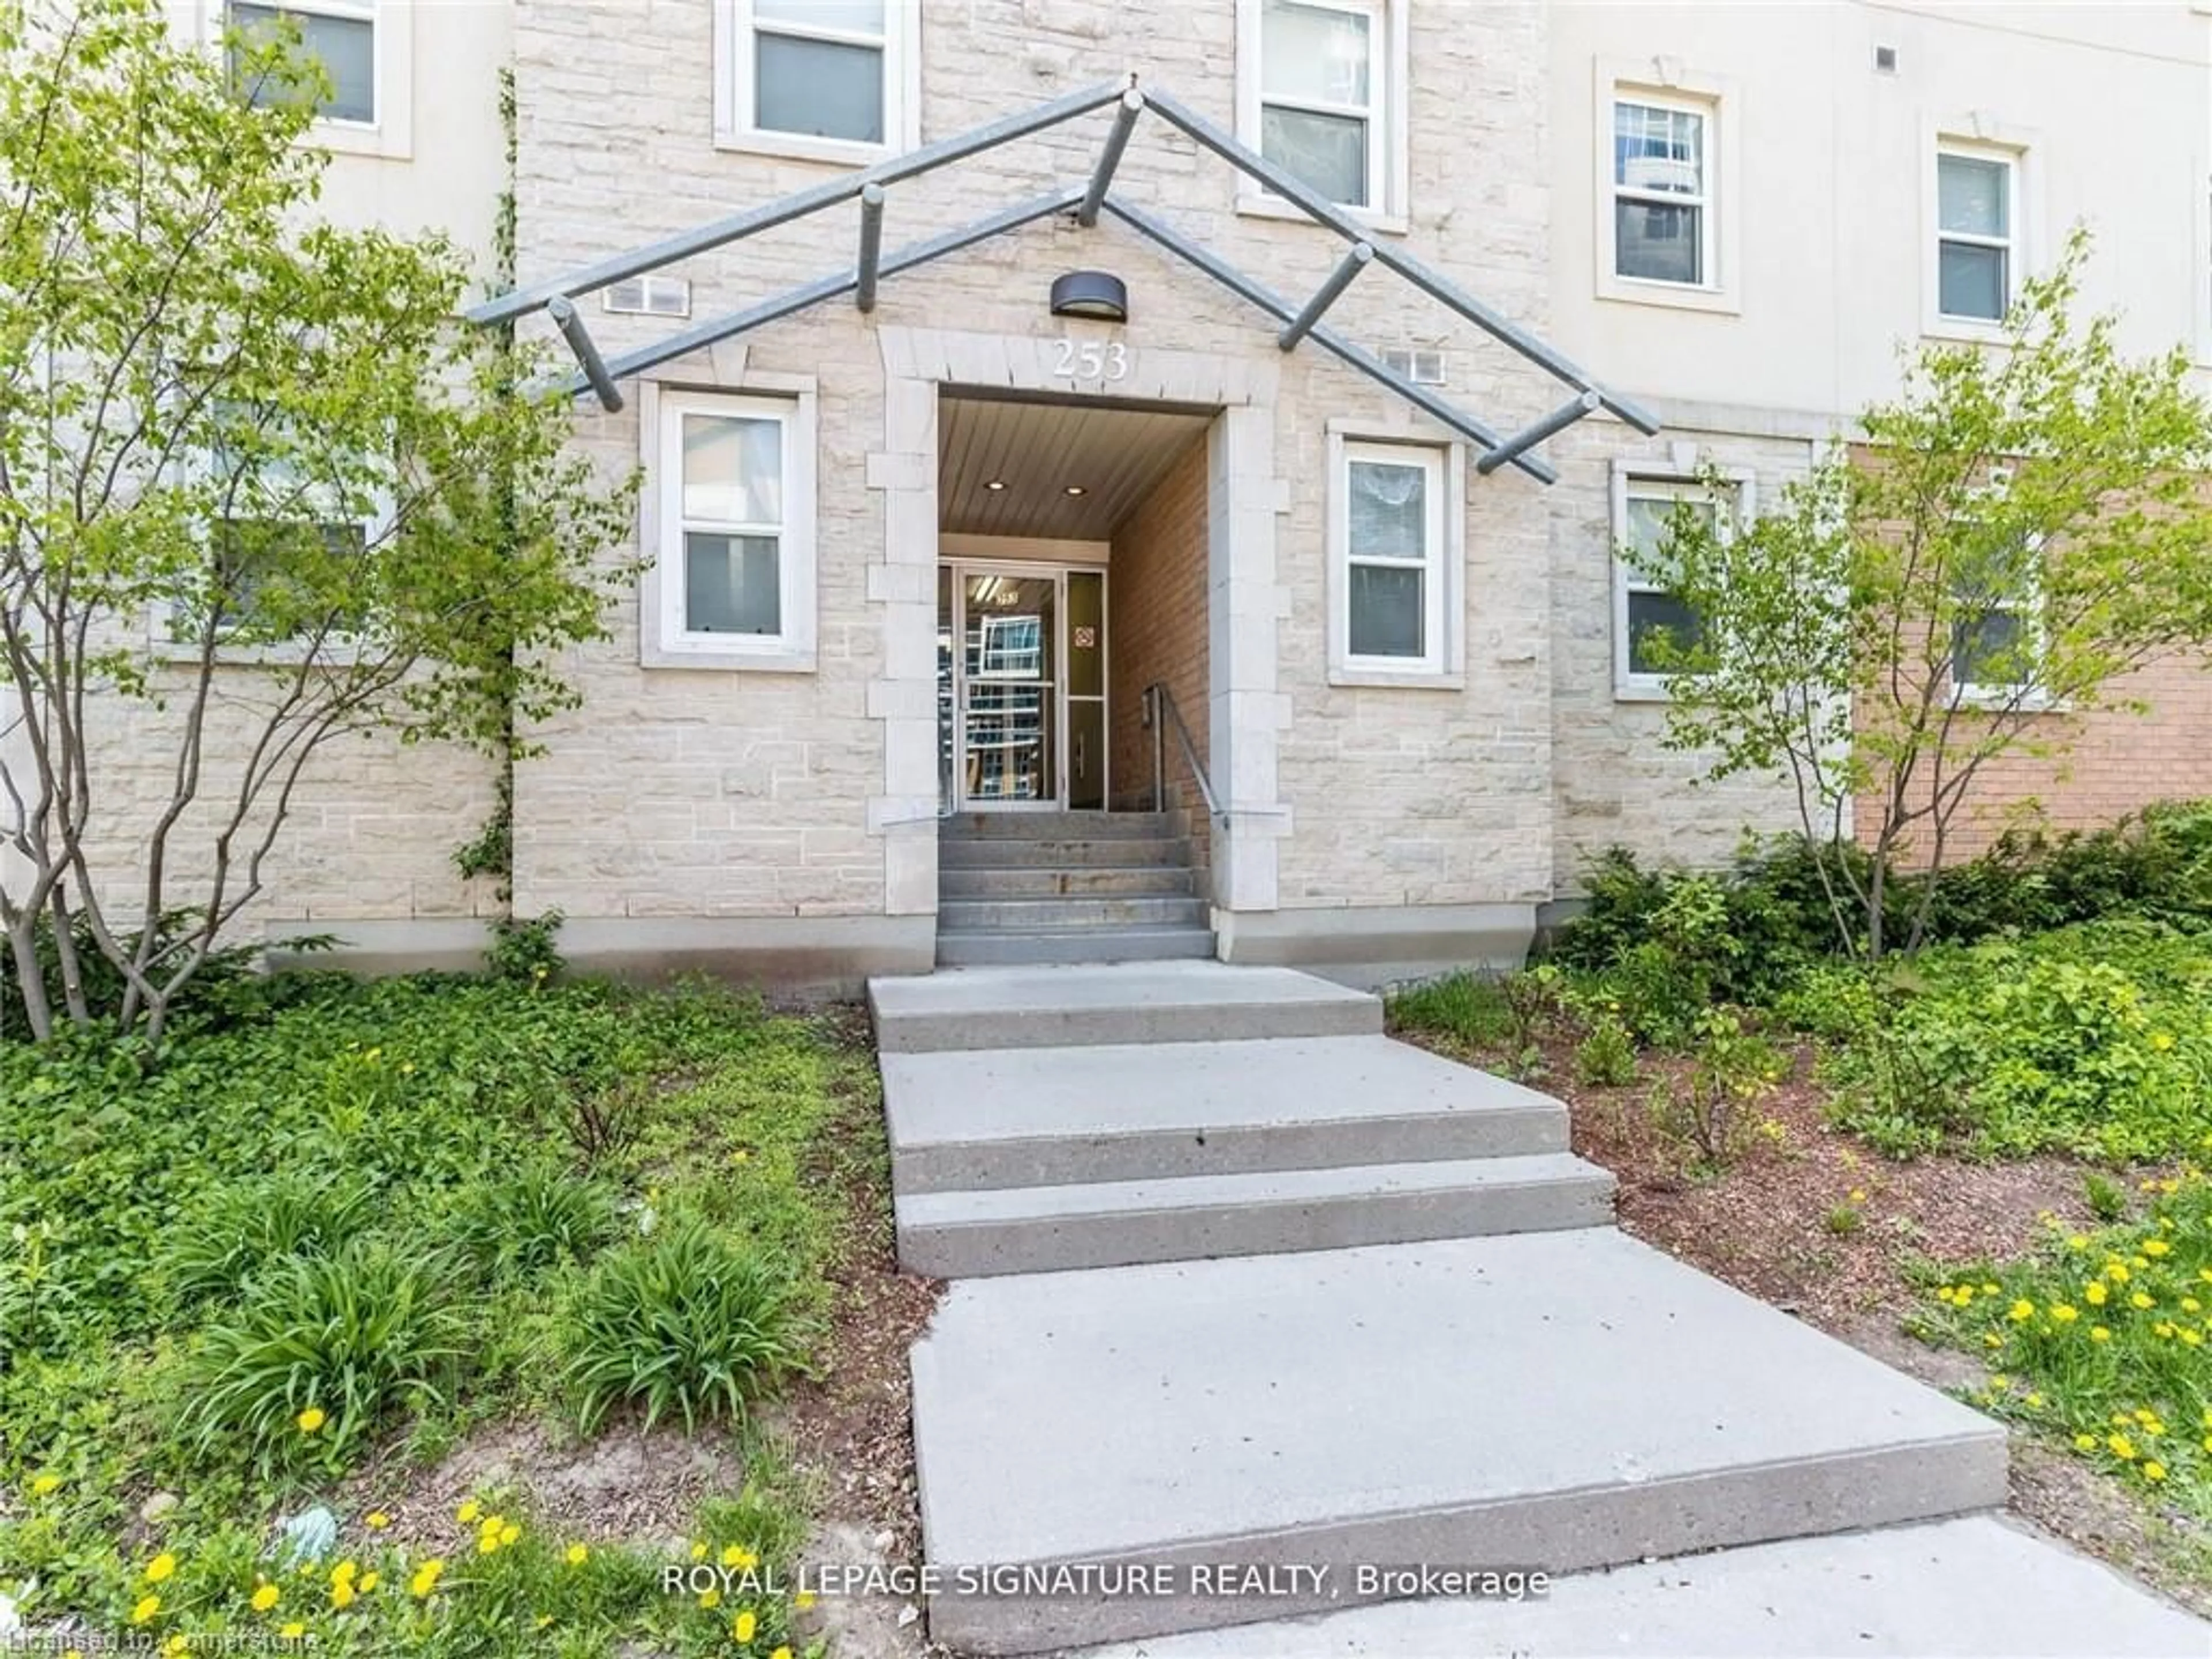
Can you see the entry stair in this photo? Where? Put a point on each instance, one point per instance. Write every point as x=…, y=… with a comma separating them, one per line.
x=1027, y=888
x=1239, y=1281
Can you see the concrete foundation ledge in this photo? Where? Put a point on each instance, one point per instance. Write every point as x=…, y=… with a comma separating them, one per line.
x=373, y=946
x=805, y=955
x=812, y=956
x=1373, y=945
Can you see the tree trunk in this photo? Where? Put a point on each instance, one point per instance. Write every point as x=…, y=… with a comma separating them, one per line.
x=30, y=980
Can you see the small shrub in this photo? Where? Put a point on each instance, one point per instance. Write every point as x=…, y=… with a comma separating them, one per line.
x=1606, y=1057
x=2107, y=1198
x=1844, y=1220
x=1709, y=1109
x=349, y=1336
x=522, y=1224
x=523, y=951
x=683, y=1322
x=236, y=1229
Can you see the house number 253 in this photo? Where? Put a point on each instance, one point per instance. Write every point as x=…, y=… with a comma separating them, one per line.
x=1090, y=359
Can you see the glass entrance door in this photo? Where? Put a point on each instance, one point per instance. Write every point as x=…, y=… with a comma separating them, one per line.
x=1005, y=664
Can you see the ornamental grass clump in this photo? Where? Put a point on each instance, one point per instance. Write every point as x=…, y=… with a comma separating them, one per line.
x=2104, y=1341
x=685, y=1323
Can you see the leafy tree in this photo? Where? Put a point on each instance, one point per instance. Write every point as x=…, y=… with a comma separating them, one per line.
x=260, y=489
x=2024, y=524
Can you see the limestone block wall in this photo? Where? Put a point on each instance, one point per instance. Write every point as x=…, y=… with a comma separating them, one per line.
x=1614, y=781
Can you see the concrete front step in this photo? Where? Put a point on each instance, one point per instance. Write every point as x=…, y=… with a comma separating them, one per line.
x=1112, y=1224
x=1974, y=1587
x=1092, y=946
x=1122, y=1003
x=1034, y=826
x=1030, y=916
x=1082, y=881
x=1030, y=1117
x=1568, y=1400
x=1061, y=852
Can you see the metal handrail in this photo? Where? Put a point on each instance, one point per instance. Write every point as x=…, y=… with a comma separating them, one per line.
x=1157, y=697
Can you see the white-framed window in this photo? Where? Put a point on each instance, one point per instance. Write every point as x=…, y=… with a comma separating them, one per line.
x=824, y=79
x=730, y=584
x=1976, y=232
x=1667, y=186
x=1645, y=609
x=1394, y=560
x=365, y=48
x=1662, y=209
x=1322, y=95
x=1997, y=619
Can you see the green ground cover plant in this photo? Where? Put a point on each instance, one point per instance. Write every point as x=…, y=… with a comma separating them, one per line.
x=2102, y=1341
x=338, y=1221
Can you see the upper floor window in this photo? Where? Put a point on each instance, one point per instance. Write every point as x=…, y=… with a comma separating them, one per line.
x=833, y=80
x=338, y=34
x=1661, y=192
x=1976, y=232
x=1322, y=100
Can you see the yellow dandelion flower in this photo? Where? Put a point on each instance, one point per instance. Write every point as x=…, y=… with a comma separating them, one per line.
x=147, y=1607
x=2153, y=1470
x=544, y=1620
x=161, y=1568
x=487, y=1543
x=345, y=1572
x=2034, y=1399
x=2189, y=1338
x=2099, y=1333
x=2139, y=1300
x=426, y=1577
x=2145, y=1416
x=578, y=1555
x=2022, y=1312
x=2161, y=1041
x=264, y=1598
x=467, y=1512
x=780, y=1652
x=509, y=1532
x=710, y=1598
x=342, y=1593
x=369, y=1581
x=2139, y=1261
x=2088, y=1442
x=698, y=1551
x=2094, y=1293
x=1992, y=1341
x=311, y=1420
x=2169, y=1185
x=2062, y=1313
x=45, y=1485
x=743, y=1626
x=2156, y=1247
x=376, y=1520
x=293, y=1632
x=2078, y=1242
x=2191, y=1304
x=729, y=1554
x=2121, y=1446
x=2117, y=1272
x=175, y=1646
x=804, y=1599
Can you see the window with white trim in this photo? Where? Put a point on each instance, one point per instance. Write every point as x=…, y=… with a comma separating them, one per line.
x=830, y=79
x=1997, y=619
x=1390, y=536
x=1321, y=94
x=339, y=35
x=1976, y=232
x=1662, y=207
x=1650, y=619
x=734, y=565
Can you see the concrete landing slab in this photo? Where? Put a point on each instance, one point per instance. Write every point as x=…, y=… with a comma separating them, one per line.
x=1977, y=1588
x=1020, y=1117
x=1126, y=1002
x=1026, y=1229
x=1565, y=1399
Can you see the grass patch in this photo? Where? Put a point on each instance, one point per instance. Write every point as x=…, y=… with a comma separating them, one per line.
x=1467, y=1008
x=353, y=1218
x=2103, y=1342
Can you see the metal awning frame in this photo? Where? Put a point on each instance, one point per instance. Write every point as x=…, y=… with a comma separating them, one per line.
x=1087, y=201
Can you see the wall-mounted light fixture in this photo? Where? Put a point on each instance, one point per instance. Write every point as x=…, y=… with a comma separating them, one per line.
x=1097, y=293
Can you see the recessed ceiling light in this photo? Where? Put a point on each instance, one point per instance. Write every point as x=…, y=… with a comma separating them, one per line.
x=1075, y=489
x=995, y=483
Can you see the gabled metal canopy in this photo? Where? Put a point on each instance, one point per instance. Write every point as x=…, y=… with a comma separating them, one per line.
x=1086, y=201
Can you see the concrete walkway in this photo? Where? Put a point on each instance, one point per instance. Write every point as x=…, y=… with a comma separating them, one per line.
x=1247, y=1295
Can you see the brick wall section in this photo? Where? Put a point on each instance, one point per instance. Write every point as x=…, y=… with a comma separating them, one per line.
x=1157, y=630
x=2115, y=763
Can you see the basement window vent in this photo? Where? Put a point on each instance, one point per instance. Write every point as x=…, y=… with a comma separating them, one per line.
x=1422, y=366
x=649, y=296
